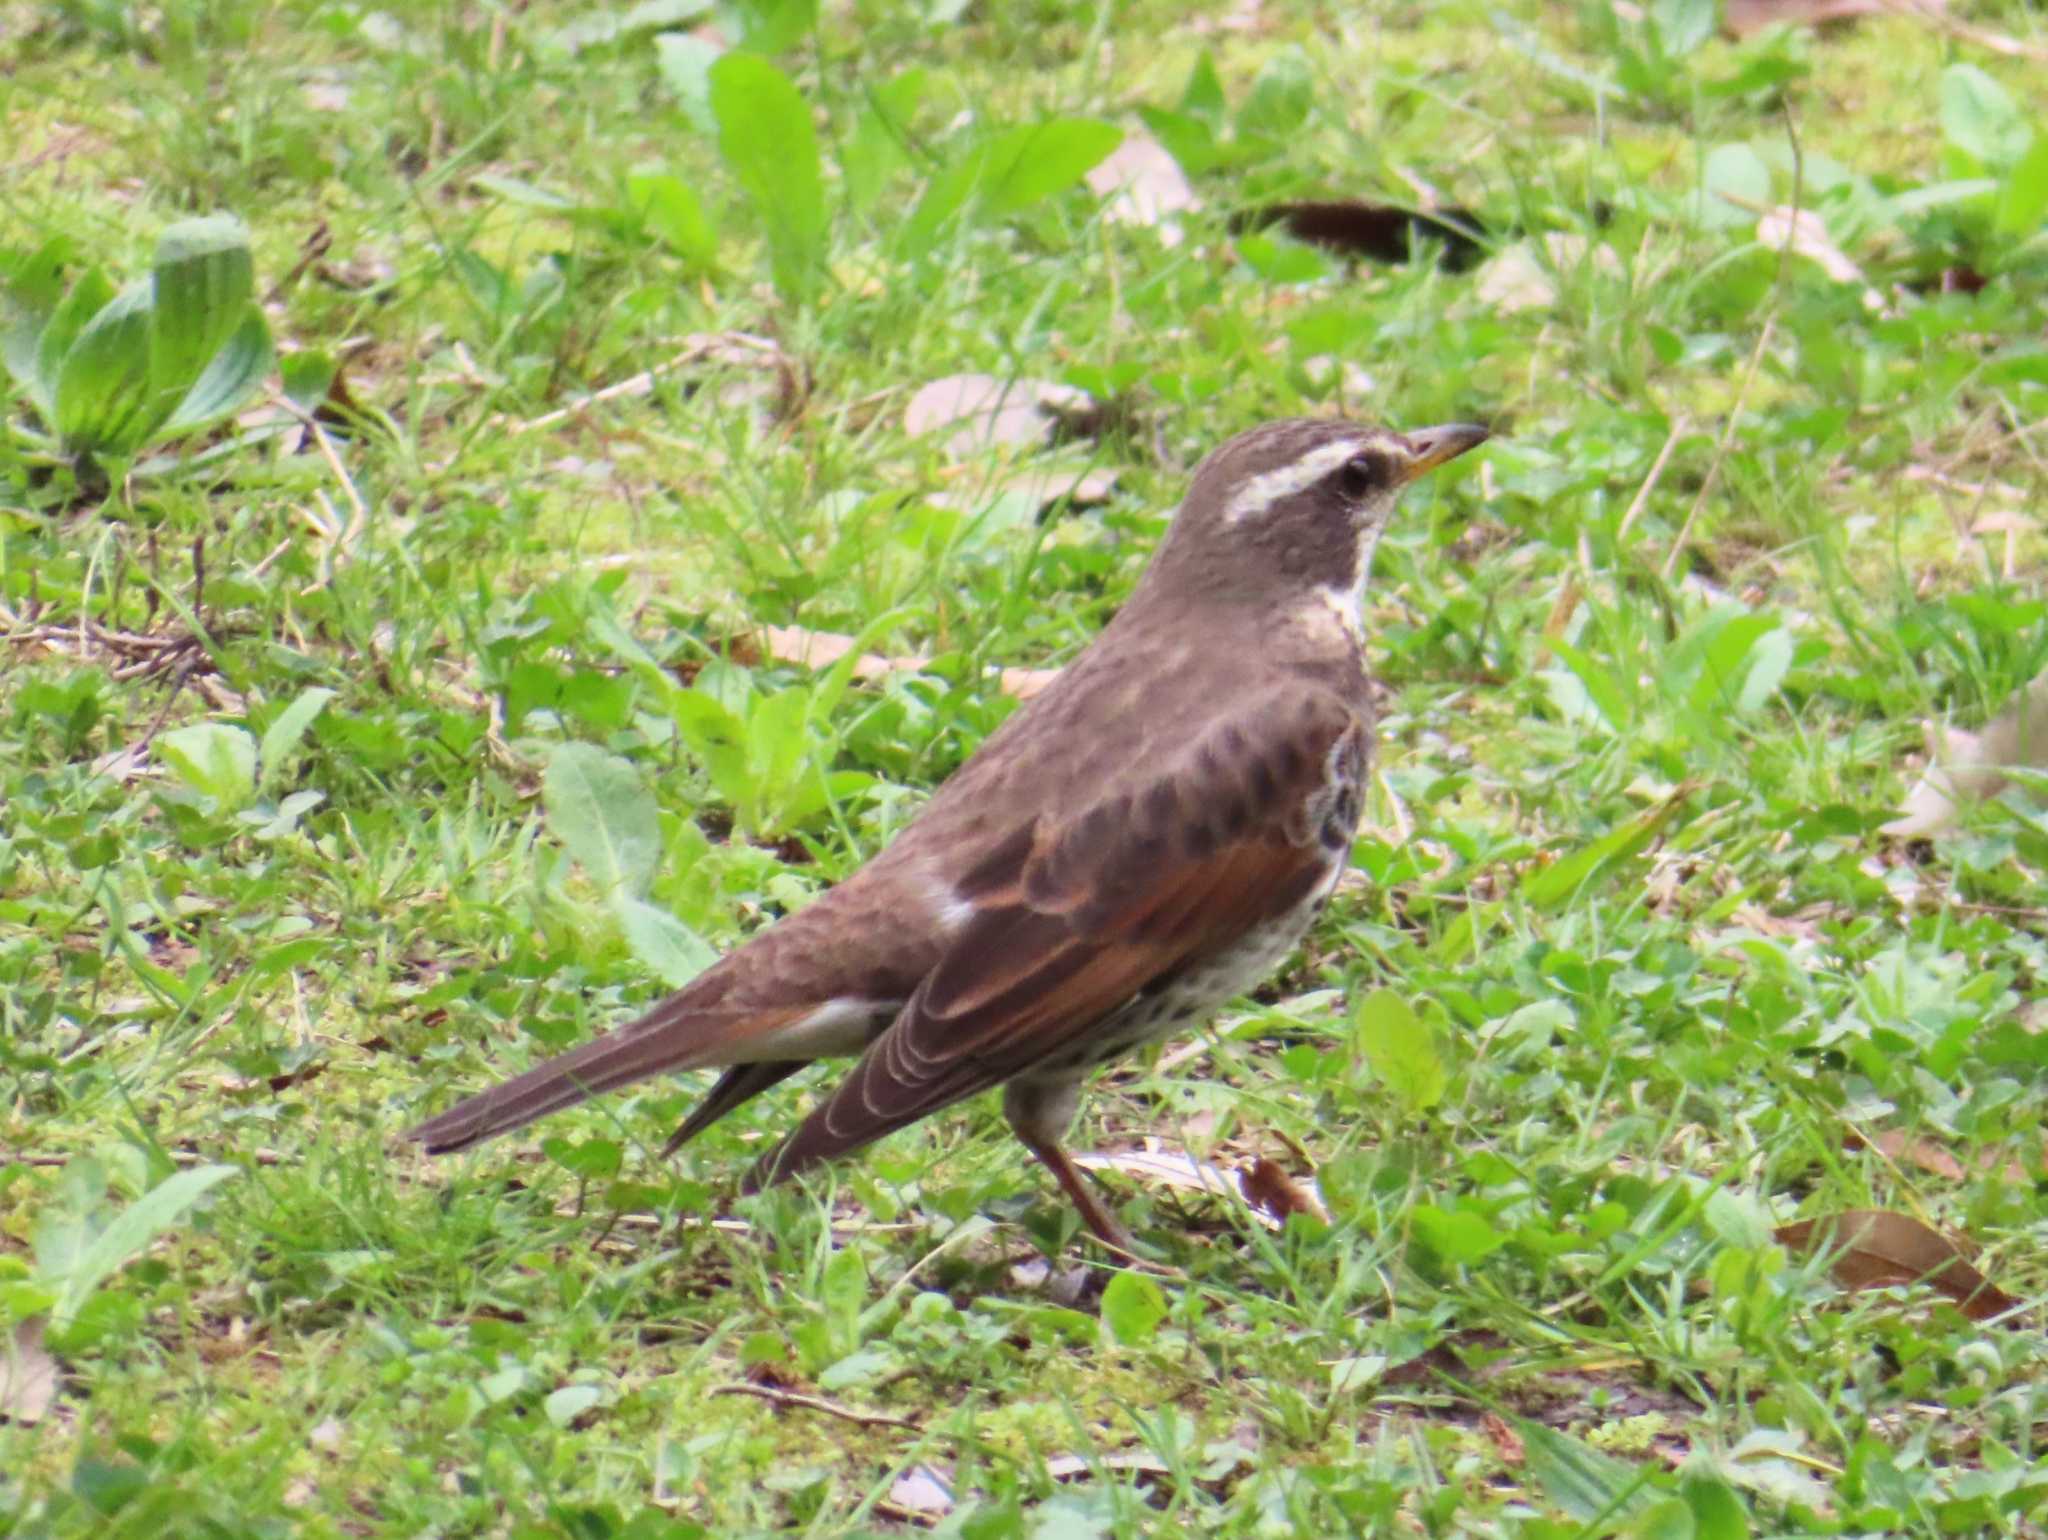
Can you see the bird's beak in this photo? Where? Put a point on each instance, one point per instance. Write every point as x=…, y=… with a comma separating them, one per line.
x=1433, y=446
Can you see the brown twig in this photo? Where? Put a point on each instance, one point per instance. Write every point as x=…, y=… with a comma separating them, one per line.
x=1642, y=497
x=778, y=1397
x=1996, y=42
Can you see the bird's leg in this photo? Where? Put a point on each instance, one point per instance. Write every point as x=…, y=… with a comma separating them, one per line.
x=1039, y=1112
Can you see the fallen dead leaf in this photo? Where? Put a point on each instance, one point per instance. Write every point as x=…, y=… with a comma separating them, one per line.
x=1268, y=1188
x=1076, y=486
x=1179, y=1170
x=1507, y=1443
x=1143, y=185
x=28, y=1375
x=1518, y=278
x=1739, y=18
x=1925, y=1155
x=983, y=412
x=1878, y=1249
x=822, y=649
x=1805, y=234
x=1969, y=766
x=923, y=1490
x=1896, y=1144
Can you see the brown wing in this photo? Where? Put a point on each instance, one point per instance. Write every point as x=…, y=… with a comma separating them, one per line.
x=1075, y=918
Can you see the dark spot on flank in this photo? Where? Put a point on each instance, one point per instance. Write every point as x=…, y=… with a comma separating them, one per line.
x=1265, y=785
x=1236, y=816
x=1160, y=806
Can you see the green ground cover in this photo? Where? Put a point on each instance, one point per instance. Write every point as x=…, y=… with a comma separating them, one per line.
x=599, y=331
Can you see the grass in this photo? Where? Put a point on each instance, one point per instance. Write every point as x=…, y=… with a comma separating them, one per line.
x=1656, y=665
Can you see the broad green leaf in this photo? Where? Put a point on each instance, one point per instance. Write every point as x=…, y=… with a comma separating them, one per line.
x=215, y=759
x=308, y=376
x=1202, y=97
x=282, y=736
x=1609, y=706
x=594, y=28
x=29, y=302
x=668, y=208
x=1940, y=195
x=1457, y=1235
x=1585, y=1482
x=1401, y=1049
x=766, y=137
x=1132, y=1308
x=522, y=193
x=663, y=944
x=104, y=402
x=564, y=1406
x=1670, y=1519
x=770, y=26
x=486, y=281
x=205, y=286
x=599, y=808
x=2023, y=199
x=717, y=738
x=1728, y=658
x=230, y=378
x=1026, y=164
x=1281, y=98
x=880, y=141
x=864, y=1367
x=1188, y=139
x=779, y=745
x=89, y=295
x=594, y=1160
x=1978, y=117
x=685, y=61
x=131, y=1232
x=1554, y=884
x=1007, y=173
x=1716, y=1510
x=1683, y=25
x=1770, y=660
x=944, y=197
x=1735, y=185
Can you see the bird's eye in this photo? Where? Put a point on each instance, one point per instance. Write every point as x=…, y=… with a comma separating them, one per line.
x=1359, y=475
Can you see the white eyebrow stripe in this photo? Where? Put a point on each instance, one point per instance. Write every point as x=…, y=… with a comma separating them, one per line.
x=1263, y=491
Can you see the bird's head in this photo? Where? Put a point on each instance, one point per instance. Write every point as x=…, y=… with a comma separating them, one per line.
x=1296, y=505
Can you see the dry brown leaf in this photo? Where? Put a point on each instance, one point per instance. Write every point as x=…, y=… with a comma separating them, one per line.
x=822, y=649
x=1143, y=185
x=1517, y=278
x=1268, y=1188
x=1507, y=1442
x=28, y=1375
x=1739, y=18
x=1878, y=1249
x=1182, y=1171
x=1968, y=766
x=1073, y=485
x=984, y=412
x=1896, y=1144
x=923, y=1490
x=1804, y=234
